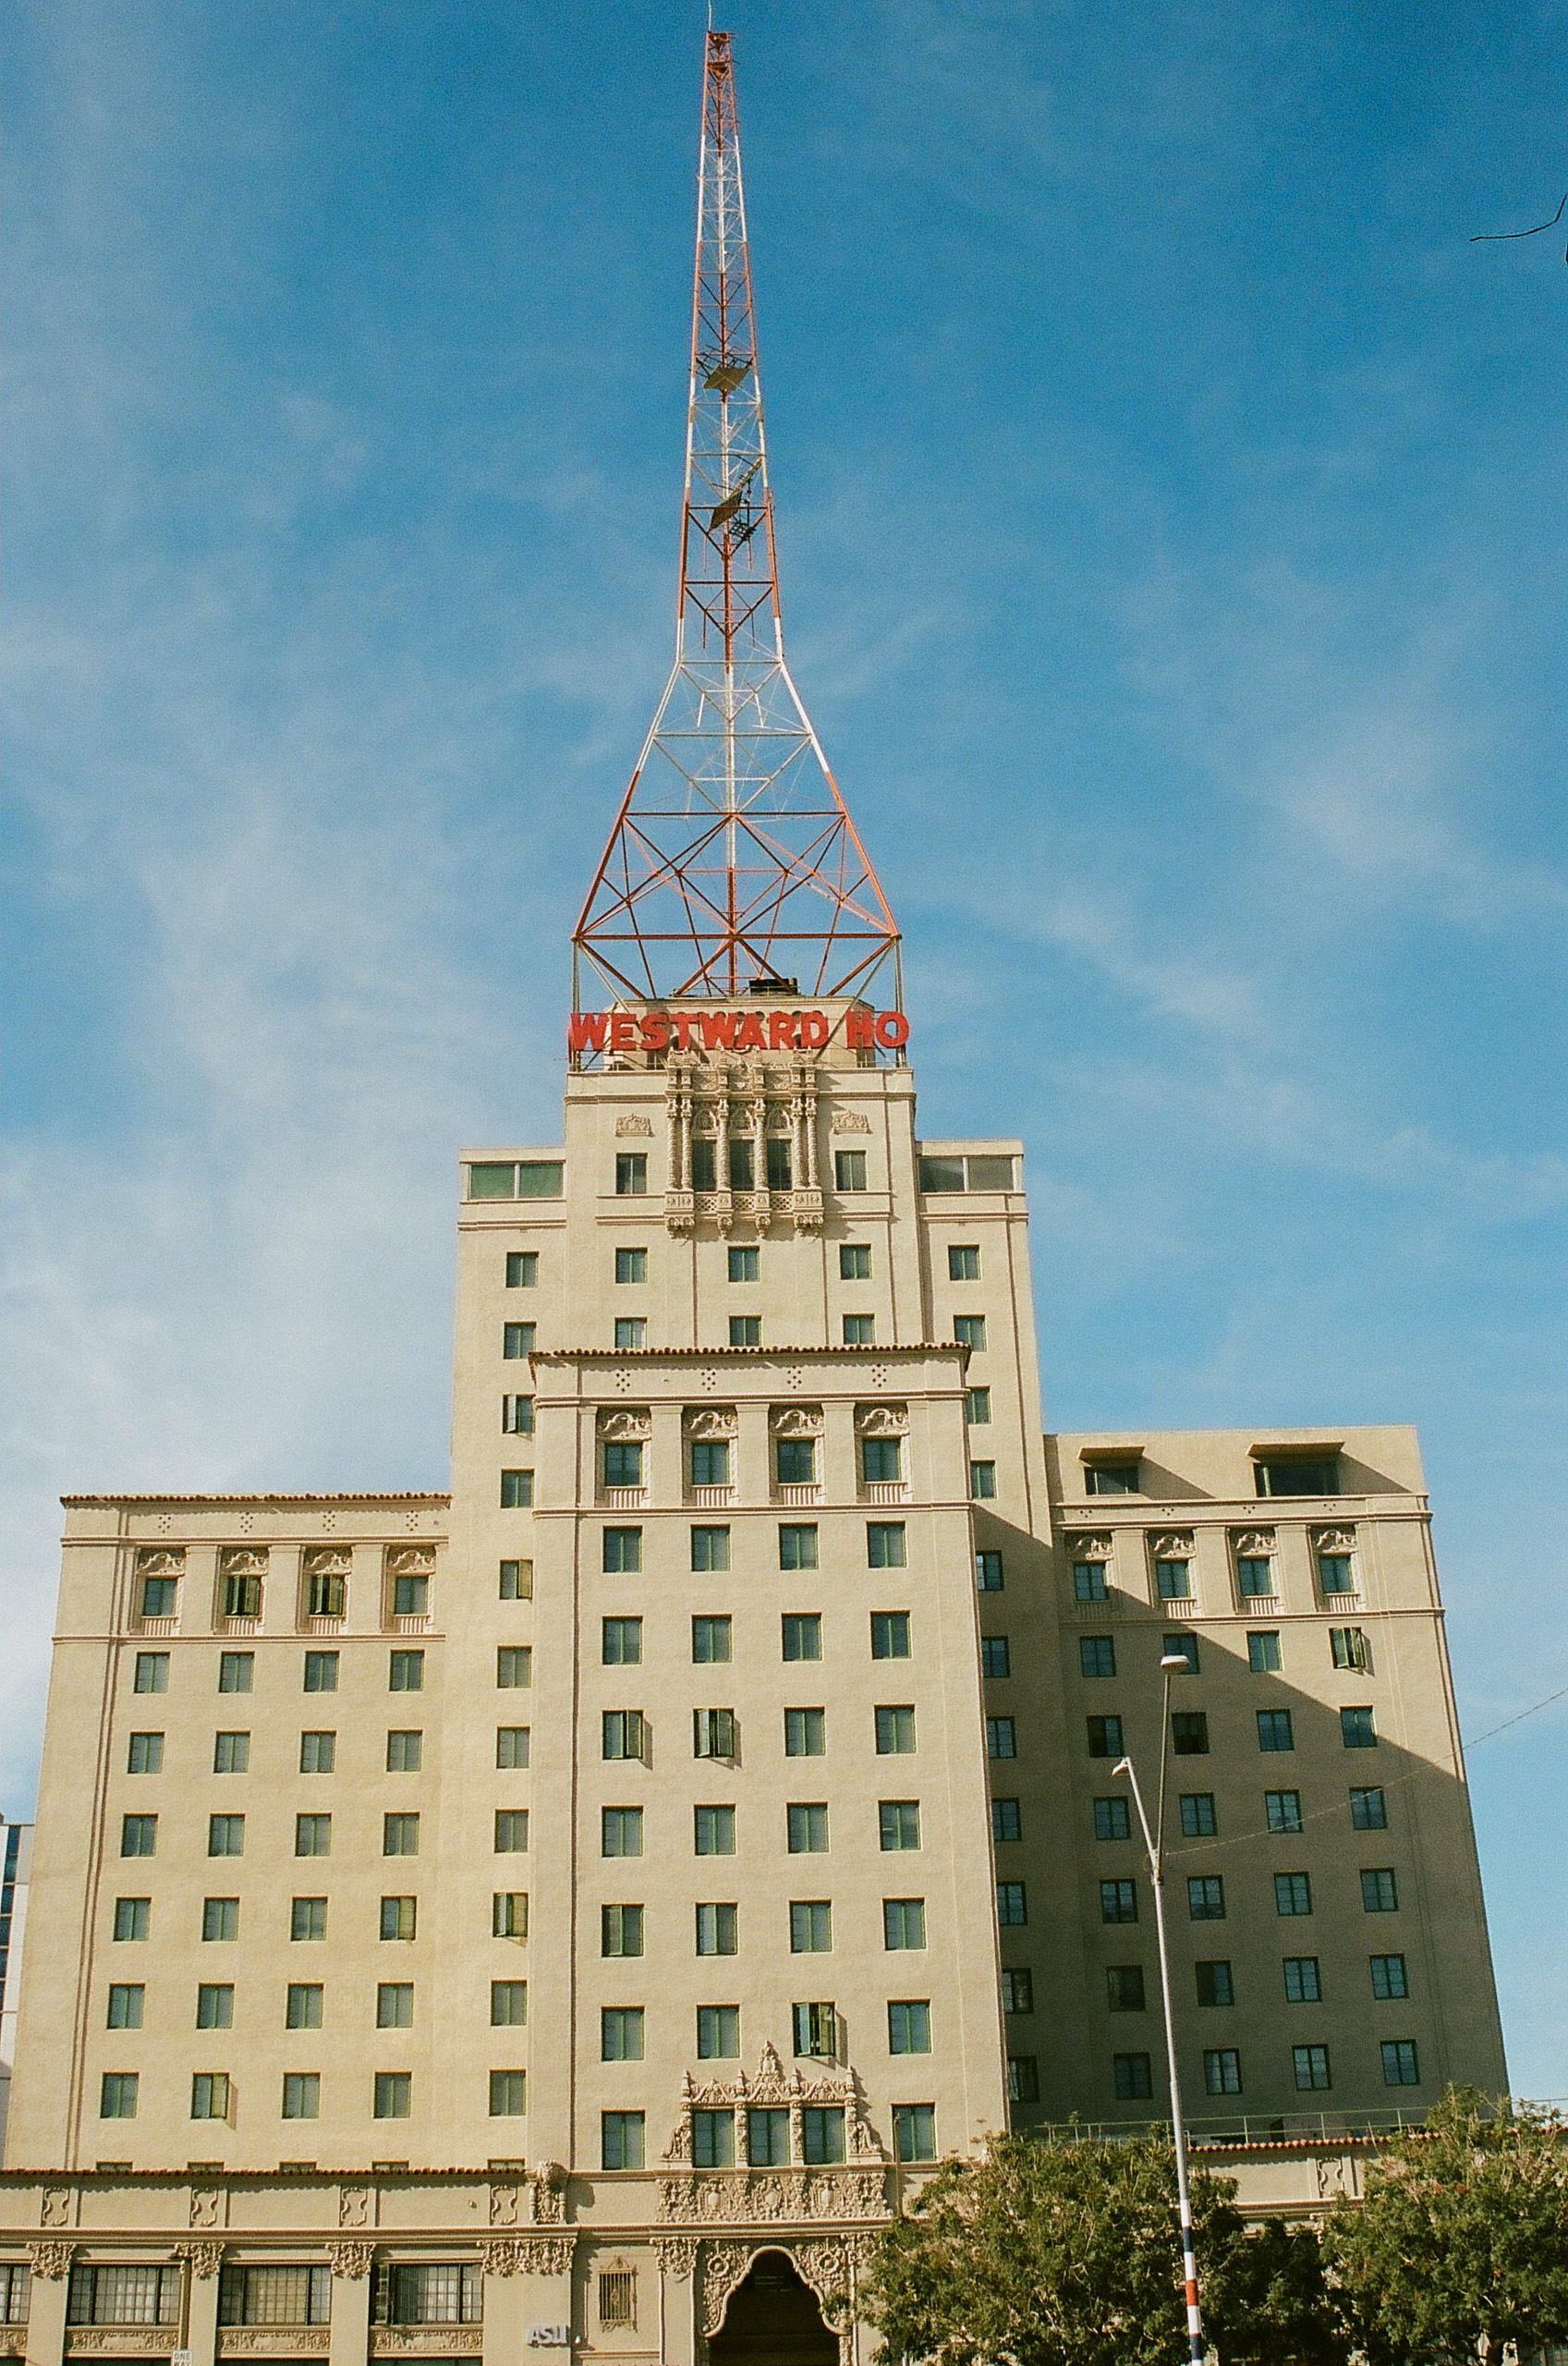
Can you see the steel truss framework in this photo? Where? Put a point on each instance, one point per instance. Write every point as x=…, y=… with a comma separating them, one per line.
x=734, y=860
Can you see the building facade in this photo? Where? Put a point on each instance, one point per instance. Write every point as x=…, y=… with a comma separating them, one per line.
x=573, y=1910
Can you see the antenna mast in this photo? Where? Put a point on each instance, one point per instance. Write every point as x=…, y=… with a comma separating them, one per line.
x=733, y=858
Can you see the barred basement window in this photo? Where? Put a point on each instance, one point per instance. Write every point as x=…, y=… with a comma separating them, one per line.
x=440, y=2294
x=123, y=2296
x=276, y=2296
x=617, y=2298
x=16, y=2294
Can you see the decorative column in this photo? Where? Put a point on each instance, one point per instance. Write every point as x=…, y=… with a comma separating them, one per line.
x=50, y=2265
x=351, y=2264
x=204, y=2267
x=676, y=2256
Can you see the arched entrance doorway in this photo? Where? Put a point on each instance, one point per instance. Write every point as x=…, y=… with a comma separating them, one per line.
x=774, y=2319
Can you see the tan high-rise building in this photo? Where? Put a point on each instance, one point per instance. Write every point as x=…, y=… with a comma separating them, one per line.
x=570, y=1910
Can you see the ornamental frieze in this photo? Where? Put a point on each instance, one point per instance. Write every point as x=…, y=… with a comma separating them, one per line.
x=410, y=1560
x=119, y=2341
x=203, y=2259
x=352, y=2261
x=50, y=2260
x=272, y=2341
x=624, y=1421
x=767, y=2198
x=426, y=2341
x=160, y=1561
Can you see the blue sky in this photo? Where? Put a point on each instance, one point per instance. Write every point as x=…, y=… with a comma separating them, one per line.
x=1170, y=509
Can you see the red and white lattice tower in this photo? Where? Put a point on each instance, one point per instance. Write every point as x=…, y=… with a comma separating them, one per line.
x=732, y=859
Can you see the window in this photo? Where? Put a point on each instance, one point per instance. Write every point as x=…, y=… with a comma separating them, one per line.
x=1206, y=1898
x=821, y=2134
x=1302, y=1980
x=1292, y=1893
x=621, y=1643
x=1173, y=1580
x=1089, y=1582
x=806, y=1733
x=895, y=1732
x=717, y=1930
x=890, y=1634
x=518, y=1339
x=1368, y=1810
x=712, y=2140
x=208, y=2095
x=982, y=1481
x=962, y=1263
x=622, y=1556
x=909, y=2027
x=1189, y=1733
x=914, y=2131
x=1104, y=1737
x=400, y=1836
x=514, y=1667
x=220, y=1917
x=511, y=1830
x=711, y=1468
x=860, y=1331
x=1215, y=1985
x=712, y=1733
x=766, y=2139
x=849, y=1170
x=516, y=1581
x=1124, y=1988
x=1379, y=1891
x=318, y=1753
x=623, y=1463
x=1299, y=1475
x=704, y=1164
x=1006, y=1820
x=1311, y=2067
x=509, y=1914
x=1348, y=1647
x=631, y=1265
x=713, y=1831
x=620, y=1930
x=511, y=1746
x=16, y=2292
x=1356, y=1729
x=126, y=2007
x=516, y=1421
x=710, y=1640
x=779, y=1165
x=802, y=1635
x=1113, y=1820
x=904, y=1923
x=1334, y=1573
x=620, y=1832
x=810, y=1927
x=517, y=1490
x=617, y=2298
x=882, y=1458
x=406, y=1671
x=989, y=1578
x=746, y=1330
x=393, y=2094
x=1097, y=1655
x=1183, y=1646
x=744, y=1264
x=1389, y=1977
x=621, y=1734
x=1263, y=1652
x=969, y=1330
x=1118, y=1902
x=805, y=1822
x=410, y=1595
x=242, y=1594
x=139, y=1835
x=133, y=1918
x=1112, y=1478
x=1001, y=1738
x=302, y=2007
x=159, y=1596
x=1199, y=1819
x=146, y=1754
x=1018, y=1991
x=742, y=1165
x=898, y=1823
x=522, y=1269
x=405, y=1751
x=507, y=2004
x=1283, y=1811
x=796, y=1462
x=631, y=1331
x=1222, y=2071
x=798, y=1547
x=855, y=1261
x=1275, y=1729
x=312, y=1835
x=1012, y=1903
x=631, y=1173
x=538, y=1179
x=302, y=2094
x=116, y=2095
x=215, y=2006
x=1134, y=2076
x=399, y=1918
x=718, y=2035
x=620, y=2033
x=320, y=1671
x=1254, y=1576
x=886, y=1545
x=236, y=1671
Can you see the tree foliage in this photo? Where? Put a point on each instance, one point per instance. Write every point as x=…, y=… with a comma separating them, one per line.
x=1461, y=2243
x=1053, y=2254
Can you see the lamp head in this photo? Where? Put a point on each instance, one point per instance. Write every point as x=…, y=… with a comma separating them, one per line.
x=1175, y=1660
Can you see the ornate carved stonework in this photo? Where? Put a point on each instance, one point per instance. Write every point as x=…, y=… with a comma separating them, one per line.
x=676, y=2254
x=544, y=2254
x=1172, y=1544
x=353, y=2205
x=206, y=2201
x=1334, y=1540
x=272, y=2341
x=50, y=2260
x=203, y=2259
x=789, y=2197
x=242, y=1561
x=426, y=2341
x=550, y=2194
x=328, y=1561
x=1253, y=1544
x=56, y=2209
x=160, y=1561
x=351, y=2260
x=502, y=2206
x=882, y=1421
x=795, y=1420
x=851, y=1121
x=1089, y=1548
x=724, y=2267
x=624, y=1421
x=503, y=2257
x=632, y=1125
x=410, y=1560
x=120, y=2340
x=709, y=1421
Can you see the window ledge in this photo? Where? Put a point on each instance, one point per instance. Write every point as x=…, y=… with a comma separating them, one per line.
x=884, y=1491
x=158, y=1626
x=709, y=1499
x=796, y=1497
x=623, y=1499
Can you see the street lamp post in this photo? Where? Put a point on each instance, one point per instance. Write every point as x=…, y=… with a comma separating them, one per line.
x=1173, y=1662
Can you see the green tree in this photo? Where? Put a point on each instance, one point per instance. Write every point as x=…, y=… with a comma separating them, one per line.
x=1068, y=2254
x=1461, y=2243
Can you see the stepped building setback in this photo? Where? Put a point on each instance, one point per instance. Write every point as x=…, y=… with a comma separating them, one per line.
x=570, y=1912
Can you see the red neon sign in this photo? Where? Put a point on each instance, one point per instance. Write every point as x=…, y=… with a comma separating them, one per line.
x=731, y=1030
